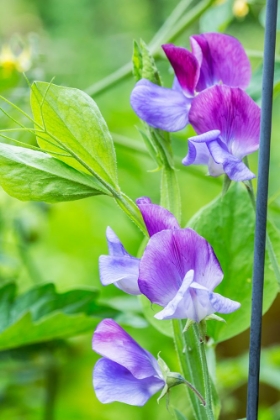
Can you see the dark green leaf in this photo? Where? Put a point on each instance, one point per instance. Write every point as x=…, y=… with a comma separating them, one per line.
x=31, y=175
x=41, y=314
x=228, y=224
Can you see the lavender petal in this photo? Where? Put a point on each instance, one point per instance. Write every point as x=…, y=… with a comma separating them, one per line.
x=113, y=382
x=160, y=107
x=222, y=304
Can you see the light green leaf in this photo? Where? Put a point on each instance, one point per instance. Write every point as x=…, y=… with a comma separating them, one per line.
x=72, y=123
x=149, y=310
x=217, y=18
x=149, y=69
x=137, y=61
x=255, y=87
x=177, y=414
x=41, y=314
x=228, y=225
x=32, y=175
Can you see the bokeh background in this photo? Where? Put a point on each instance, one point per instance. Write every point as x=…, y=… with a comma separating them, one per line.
x=79, y=43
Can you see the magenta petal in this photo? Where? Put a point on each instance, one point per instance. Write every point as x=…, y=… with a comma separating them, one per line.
x=185, y=66
x=160, y=107
x=112, y=342
x=113, y=382
x=233, y=167
x=223, y=59
x=156, y=218
x=233, y=113
x=169, y=255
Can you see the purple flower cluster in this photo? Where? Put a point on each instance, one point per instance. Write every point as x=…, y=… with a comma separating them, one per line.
x=208, y=93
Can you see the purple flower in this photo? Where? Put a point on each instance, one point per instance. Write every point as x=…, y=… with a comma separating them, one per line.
x=126, y=373
x=227, y=121
x=215, y=58
x=119, y=267
x=179, y=269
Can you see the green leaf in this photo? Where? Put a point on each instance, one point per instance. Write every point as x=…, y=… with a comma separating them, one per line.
x=217, y=18
x=149, y=310
x=228, y=225
x=71, y=122
x=177, y=414
x=137, y=61
x=31, y=175
x=41, y=314
x=149, y=68
x=255, y=87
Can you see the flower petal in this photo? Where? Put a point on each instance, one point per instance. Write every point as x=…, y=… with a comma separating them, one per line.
x=156, y=218
x=122, y=271
x=198, y=154
x=178, y=307
x=169, y=255
x=160, y=107
x=113, y=382
x=233, y=167
x=233, y=113
x=222, y=304
x=185, y=65
x=115, y=246
x=112, y=342
x=223, y=60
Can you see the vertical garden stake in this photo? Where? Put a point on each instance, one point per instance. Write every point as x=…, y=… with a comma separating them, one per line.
x=261, y=210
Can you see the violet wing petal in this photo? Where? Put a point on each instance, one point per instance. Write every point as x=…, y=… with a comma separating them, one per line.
x=233, y=167
x=224, y=60
x=156, y=218
x=185, y=65
x=198, y=154
x=169, y=255
x=115, y=246
x=113, y=382
x=233, y=113
x=121, y=271
x=160, y=107
x=112, y=342
x=222, y=304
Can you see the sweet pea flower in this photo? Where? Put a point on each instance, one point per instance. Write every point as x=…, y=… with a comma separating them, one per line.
x=227, y=122
x=215, y=58
x=178, y=270
x=126, y=373
x=119, y=267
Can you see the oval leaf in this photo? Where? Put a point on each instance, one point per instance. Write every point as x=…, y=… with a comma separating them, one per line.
x=32, y=175
x=228, y=225
x=71, y=122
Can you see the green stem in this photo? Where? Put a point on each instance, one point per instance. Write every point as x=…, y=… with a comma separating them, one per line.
x=200, y=337
x=170, y=192
x=161, y=37
x=130, y=208
x=188, y=351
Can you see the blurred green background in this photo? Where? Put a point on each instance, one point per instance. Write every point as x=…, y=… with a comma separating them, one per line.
x=79, y=43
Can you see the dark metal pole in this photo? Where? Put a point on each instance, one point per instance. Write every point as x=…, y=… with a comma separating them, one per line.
x=261, y=210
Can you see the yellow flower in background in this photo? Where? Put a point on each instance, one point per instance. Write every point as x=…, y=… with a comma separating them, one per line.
x=11, y=61
x=240, y=8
